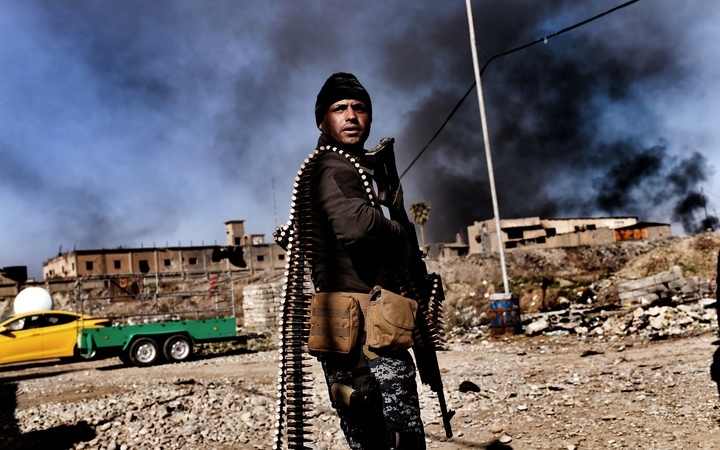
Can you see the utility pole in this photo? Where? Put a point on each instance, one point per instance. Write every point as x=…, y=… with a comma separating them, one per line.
x=488, y=156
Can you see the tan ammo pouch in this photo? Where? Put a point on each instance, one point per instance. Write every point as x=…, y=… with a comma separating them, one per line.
x=390, y=321
x=335, y=321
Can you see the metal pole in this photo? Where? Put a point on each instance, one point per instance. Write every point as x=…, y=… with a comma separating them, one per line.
x=486, y=138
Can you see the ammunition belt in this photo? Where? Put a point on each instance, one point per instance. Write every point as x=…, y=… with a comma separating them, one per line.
x=294, y=390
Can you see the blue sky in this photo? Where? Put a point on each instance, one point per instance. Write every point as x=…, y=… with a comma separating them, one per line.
x=141, y=123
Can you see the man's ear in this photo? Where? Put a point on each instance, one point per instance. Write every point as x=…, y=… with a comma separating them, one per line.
x=320, y=127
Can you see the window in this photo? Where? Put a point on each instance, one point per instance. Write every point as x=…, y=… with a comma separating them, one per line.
x=16, y=325
x=237, y=241
x=193, y=261
x=515, y=233
x=88, y=265
x=144, y=266
x=260, y=258
x=59, y=319
x=167, y=263
x=34, y=322
x=117, y=264
x=281, y=257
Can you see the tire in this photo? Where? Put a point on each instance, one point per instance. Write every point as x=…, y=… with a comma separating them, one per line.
x=178, y=348
x=144, y=352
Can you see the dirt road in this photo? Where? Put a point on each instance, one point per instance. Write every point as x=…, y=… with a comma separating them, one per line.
x=543, y=392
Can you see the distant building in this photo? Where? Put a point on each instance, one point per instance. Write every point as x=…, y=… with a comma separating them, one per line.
x=12, y=279
x=241, y=252
x=448, y=250
x=643, y=230
x=535, y=232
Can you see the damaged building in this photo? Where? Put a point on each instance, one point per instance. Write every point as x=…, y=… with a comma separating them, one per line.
x=536, y=232
x=241, y=252
x=12, y=280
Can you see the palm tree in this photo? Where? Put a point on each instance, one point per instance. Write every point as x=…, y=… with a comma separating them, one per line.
x=420, y=212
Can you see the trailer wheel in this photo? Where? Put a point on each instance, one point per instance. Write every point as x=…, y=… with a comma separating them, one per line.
x=144, y=352
x=178, y=348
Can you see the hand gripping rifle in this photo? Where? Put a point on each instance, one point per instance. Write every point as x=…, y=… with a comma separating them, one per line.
x=425, y=288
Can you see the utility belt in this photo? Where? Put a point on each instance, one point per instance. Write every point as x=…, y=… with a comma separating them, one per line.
x=341, y=321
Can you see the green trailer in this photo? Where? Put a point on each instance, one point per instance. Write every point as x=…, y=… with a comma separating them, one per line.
x=157, y=318
x=147, y=344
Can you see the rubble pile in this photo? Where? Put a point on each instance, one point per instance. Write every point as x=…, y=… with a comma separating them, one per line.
x=654, y=322
x=667, y=284
x=662, y=305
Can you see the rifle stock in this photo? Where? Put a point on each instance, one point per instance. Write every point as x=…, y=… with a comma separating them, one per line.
x=425, y=288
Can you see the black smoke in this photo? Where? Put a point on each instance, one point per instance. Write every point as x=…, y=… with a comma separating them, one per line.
x=136, y=122
x=571, y=128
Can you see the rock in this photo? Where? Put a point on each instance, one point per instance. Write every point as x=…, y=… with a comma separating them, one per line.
x=468, y=386
x=536, y=327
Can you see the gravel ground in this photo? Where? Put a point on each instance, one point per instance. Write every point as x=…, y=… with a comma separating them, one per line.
x=542, y=392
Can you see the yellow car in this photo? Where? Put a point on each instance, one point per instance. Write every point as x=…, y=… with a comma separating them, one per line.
x=43, y=335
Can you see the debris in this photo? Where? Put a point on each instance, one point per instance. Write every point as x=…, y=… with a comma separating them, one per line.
x=468, y=386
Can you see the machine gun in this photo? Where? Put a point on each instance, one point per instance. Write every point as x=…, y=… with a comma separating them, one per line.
x=425, y=288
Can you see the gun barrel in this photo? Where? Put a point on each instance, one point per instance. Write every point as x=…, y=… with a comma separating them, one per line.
x=446, y=415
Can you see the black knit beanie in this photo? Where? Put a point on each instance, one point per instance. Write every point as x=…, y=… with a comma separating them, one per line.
x=338, y=87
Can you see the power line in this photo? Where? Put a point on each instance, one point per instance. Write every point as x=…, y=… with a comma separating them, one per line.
x=516, y=49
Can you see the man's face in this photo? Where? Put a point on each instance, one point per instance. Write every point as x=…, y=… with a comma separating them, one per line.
x=347, y=121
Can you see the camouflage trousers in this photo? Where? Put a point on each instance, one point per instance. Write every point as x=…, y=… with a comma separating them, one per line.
x=396, y=407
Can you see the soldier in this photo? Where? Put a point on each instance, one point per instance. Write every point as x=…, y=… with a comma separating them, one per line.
x=353, y=244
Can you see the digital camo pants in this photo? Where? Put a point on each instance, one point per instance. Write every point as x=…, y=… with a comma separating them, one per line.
x=396, y=408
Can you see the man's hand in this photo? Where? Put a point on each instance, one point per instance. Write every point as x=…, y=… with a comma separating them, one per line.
x=393, y=200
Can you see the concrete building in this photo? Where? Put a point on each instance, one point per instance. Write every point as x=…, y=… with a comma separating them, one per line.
x=241, y=252
x=536, y=232
x=12, y=279
x=448, y=249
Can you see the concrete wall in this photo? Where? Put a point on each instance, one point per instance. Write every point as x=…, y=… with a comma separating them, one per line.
x=261, y=307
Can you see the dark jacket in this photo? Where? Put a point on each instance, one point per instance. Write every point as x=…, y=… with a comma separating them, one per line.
x=353, y=242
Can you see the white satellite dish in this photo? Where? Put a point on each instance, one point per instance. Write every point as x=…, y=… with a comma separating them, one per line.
x=32, y=299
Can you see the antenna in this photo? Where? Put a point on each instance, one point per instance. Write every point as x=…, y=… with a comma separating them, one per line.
x=272, y=180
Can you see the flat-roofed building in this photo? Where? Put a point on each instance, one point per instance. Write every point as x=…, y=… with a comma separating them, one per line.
x=242, y=252
x=536, y=232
